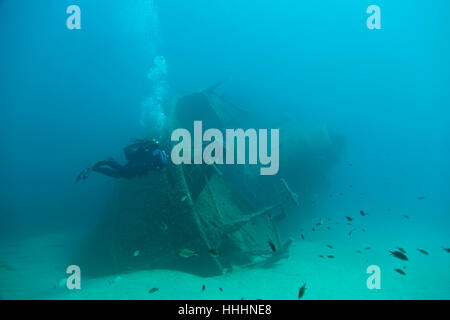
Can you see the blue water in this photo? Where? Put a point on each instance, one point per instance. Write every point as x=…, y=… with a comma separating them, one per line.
x=71, y=97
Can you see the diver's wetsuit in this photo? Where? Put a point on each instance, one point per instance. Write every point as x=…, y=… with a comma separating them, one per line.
x=142, y=157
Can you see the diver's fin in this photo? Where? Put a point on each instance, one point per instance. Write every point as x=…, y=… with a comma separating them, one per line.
x=84, y=174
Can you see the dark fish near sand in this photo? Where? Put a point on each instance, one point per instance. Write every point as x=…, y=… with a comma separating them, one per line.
x=399, y=255
x=423, y=251
x=153, y=290
x=361, y=212
x=401, y=250
x=351, y=231
x=446, y=250
x=188, y=253
x=272, y=246
x=421, y=198
x=303, y=237
x=405, y=216
x=302, y=290
x=400, y=271
x=330, y=246
x=221, y=290
x=213, y=252
x=349, y=218
x=368, y=248
x=331, y=256
x=203, y=288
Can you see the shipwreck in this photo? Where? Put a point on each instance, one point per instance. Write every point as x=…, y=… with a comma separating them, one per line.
x=226, y=214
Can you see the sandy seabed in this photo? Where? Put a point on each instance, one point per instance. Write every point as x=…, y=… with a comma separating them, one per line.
x=33, y=268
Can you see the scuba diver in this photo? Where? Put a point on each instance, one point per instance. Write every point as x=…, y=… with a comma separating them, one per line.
x=142, y=156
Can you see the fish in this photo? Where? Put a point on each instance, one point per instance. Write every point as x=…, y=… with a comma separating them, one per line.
x=421, y=198
x=405, y=216
x=187, y=253
x=399, y=255
x=321, y=256
x=163, y=226
x=153, y=290
x=340, y=194
x=349, y=218
x=423, y=251
x=7, y=267
x=203, y=288
x=136, y=253
x=313, y=229
x=330, y=246
x=361, y=212
x=359, y=251
x=363, y=230
x=329, y=228
x=221, y=290
x=272, y=246
x=446, y=250
x=330, y=256
x=213, y=252
x=301, y=291
x=401, y=250
x=351, y=231
x=350, y=186
x=303, y=237
x=368, y=248
x=400, y=271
